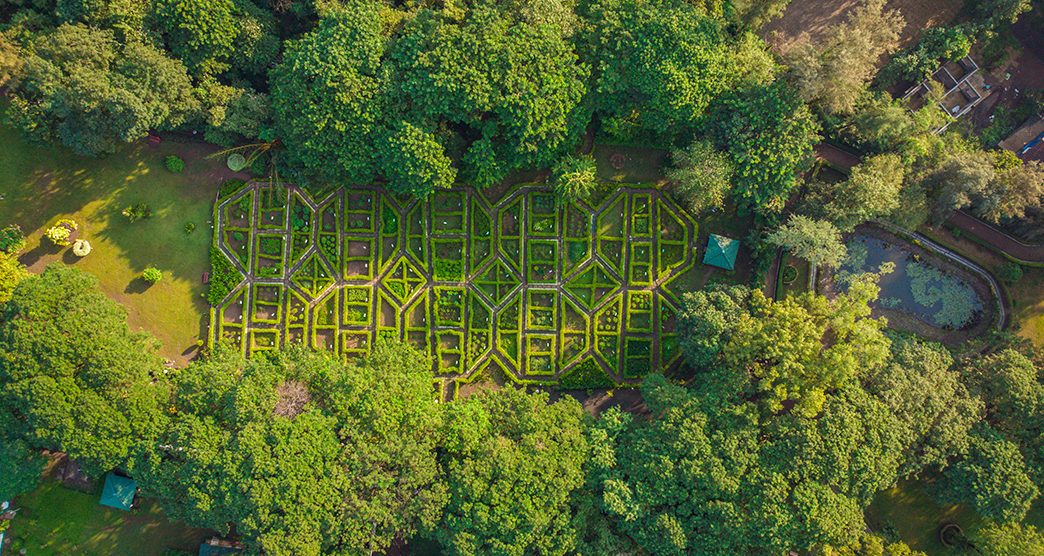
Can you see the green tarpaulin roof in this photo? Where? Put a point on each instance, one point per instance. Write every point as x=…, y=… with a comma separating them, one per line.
x=721, y=252
x=118, y=492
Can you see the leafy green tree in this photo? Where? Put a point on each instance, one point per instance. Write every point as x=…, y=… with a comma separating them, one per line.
x=123, y=15
x=1013, y=192
x=72, y=376
x=992, y=478
x=306, y=455
x=658, y=64
x=816, y=241
x=326, y=96
x=996, y=539
x=701, y=175
x=695, y=480
x=82, y=87
x=769, y=133
x=872, y=190
x=937, y=45
x=959, y=181
x=512, y=90
x=414, y=163
x=512, y=462
x=778, y=350
x=20, y=467
x=1011, y=385
x=201, y=33
x=575, y=178
x=708, y=318
x=920, y=387
x=233, y=114
x=834, y=73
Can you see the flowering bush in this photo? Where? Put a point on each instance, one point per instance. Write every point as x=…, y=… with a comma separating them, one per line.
x=60, y=233
x=81, y=248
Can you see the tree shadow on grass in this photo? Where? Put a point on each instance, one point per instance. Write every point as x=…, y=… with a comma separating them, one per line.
x=137, y=285
x=33, y=256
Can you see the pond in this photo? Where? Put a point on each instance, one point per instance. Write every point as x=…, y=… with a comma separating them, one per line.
x=919, y=285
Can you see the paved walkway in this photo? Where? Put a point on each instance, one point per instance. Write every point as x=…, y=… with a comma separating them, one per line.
x=996, y=238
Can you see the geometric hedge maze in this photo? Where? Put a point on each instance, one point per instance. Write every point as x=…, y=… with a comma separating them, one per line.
x=515, y=283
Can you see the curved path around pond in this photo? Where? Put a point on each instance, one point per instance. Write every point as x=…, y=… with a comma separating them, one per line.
x=1001, y=305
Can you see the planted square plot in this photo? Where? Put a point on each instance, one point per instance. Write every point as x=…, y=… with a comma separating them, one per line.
x=520, y=283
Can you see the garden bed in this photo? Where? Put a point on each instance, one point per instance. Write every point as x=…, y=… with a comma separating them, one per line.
x=514, y=283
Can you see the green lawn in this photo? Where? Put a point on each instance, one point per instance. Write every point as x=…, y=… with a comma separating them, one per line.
x=638, y=164
x=917, y=517
x=41, y=184
x=54, y=520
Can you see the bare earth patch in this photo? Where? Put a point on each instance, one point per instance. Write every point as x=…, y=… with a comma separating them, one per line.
x=293, y=397
x=816, y=17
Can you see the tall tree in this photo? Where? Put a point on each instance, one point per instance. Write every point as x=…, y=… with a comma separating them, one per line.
x=816, y=241
x=512, y=462
x=511, y=89
x=202, y=33
x=72, y=376
x=872, y=190
x=920, y=387
x=20, y=467
x=657, y=64
x=834, y=73
x=1014, y=191
x=992, y=478
x=701, y=175
x=327, y=96
x=82, y=87
x=769, y=133
x=414, y=162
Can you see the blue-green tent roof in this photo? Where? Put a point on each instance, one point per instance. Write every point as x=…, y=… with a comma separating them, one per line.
x=118, y=492
x=721, y=252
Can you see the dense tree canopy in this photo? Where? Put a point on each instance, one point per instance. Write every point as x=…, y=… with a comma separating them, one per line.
x=512, y=462
x=72, y=376
x=83, y=88
x=304, y=454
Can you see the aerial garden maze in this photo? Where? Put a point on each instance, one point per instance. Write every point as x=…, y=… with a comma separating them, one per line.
x=510, y=282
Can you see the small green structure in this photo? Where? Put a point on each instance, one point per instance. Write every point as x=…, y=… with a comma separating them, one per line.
x=118, y=492
x=721, y=252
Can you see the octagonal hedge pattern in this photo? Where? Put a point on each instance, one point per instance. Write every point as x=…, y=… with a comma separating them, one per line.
x=509, y=282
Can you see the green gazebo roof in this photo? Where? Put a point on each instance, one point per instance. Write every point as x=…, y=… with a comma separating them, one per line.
x=721, y=252
x=118, y=492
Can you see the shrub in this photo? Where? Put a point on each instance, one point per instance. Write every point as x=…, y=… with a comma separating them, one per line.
x=586, y=376
x=151, y=274
x=59, y=233
x=1010, y=272
x=174, y=163
x=12, y=240
x=229, y=187
x=223, y=277
x=790, y=273
x=81, y=248
x=137, y=212
x=575, y=178
x=236, y=162
x=190, y=227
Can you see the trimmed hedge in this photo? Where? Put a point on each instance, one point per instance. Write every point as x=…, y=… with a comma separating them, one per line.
x=223, y=277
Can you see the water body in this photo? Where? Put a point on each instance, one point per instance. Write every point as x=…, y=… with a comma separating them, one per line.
x=921, y=286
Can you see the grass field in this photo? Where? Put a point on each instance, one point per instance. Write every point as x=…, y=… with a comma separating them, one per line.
x=39, y=185
x=54, y=520
x=917, y=517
